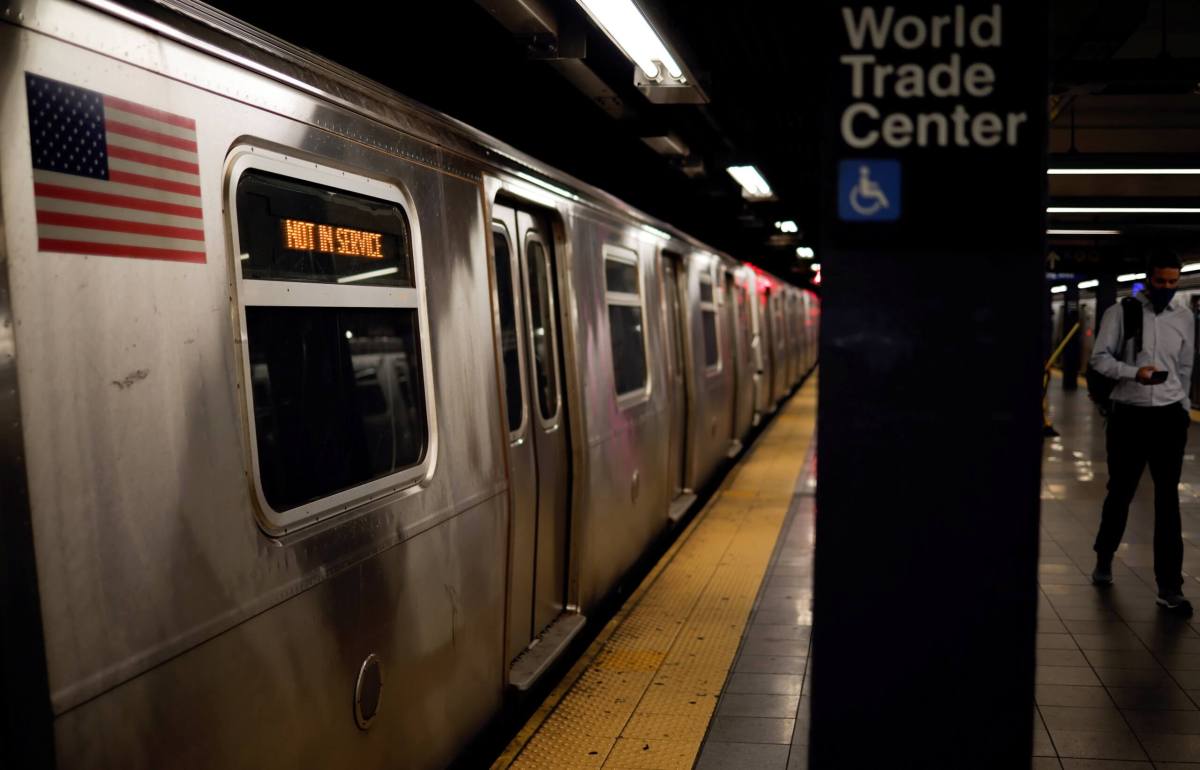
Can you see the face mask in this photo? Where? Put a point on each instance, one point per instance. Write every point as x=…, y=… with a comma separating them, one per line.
x=1159, y=298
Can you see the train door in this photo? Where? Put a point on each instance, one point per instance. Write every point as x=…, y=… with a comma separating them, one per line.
x=766, y=346
x=677, y=442
x=729, y=290
x=539, y=447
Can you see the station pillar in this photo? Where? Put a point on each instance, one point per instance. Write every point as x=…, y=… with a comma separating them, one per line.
x=1072, y=353
x=930, y=422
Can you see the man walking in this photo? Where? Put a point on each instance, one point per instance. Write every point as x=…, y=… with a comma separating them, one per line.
x=1148, y=423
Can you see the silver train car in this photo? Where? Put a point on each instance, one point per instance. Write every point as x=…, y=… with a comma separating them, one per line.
x=328, y=419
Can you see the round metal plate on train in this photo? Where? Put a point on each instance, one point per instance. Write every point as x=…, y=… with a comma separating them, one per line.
x=368, y=691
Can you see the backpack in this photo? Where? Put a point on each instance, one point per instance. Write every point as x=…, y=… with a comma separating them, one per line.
x=1099, y=386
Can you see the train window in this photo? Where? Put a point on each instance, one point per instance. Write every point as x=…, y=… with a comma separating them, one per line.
x=743, y=314
x=342, y=400
x=624, y=298
x=708, y=323
x=542, y=329
x=508, y=330
x=295, y=231
x=335, y=356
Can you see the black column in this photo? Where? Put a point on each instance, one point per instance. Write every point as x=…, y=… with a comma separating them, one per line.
x=1106, y=297
x=929, y=429
x=1071, y=355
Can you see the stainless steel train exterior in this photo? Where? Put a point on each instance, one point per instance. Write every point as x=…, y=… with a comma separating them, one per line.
x=529, y=392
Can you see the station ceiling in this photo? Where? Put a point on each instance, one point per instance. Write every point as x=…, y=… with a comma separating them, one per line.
x=1125, y=92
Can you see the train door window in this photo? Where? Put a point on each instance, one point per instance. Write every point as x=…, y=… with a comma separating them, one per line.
x=623, y=295
x=541, y=322
x=743, y=314
x=335, y=352
x=708, y=323
x=509, y=343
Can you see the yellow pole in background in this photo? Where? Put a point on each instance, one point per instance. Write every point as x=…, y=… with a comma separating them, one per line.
x=1047, y=428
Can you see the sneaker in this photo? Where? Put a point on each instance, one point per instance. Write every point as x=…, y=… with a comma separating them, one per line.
x=1174, y=602
x=1102, y=575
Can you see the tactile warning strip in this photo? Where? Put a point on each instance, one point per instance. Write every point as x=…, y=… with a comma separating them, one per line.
x=644, y=692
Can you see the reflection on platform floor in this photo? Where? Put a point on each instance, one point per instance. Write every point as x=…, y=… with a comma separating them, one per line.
x=1118, y=680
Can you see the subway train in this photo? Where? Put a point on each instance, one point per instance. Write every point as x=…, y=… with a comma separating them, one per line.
x=331, y=420
x=1188, y=294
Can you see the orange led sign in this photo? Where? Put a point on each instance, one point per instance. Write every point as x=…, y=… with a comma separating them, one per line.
x=299, y=235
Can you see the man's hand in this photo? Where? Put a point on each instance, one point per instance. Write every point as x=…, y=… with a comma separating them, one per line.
x=1144, y=374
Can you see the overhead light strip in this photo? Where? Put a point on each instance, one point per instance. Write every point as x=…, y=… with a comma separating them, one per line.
x=1057, y=289
x=1127, y=277
x=1119, y=210
x=1123, y=171
x=1083, y=232
x=1088, y=284
x=629, y=30
x=752, y=182
x=1191, y=268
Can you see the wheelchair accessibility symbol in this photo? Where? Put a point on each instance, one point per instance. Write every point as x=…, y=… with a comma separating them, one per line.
x=869, y=190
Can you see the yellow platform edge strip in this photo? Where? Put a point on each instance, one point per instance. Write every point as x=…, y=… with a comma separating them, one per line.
x=641, y=696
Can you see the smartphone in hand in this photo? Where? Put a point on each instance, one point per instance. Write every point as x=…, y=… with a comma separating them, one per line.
x=1158, y=378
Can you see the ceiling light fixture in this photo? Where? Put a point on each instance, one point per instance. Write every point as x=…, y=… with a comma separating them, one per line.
x=754, y=187
x=1057, y=289
x=1089, y=284
x=1127, y=277
x=629, y=30
x=1191, y=268
x=805, y=252
x=1083, y=232
x=1118, y=210
x=816, y=267
x=1121, y=171
x=787, y=226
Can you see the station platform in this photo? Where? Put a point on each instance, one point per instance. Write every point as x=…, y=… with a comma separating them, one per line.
x=698, y=648
x=706, y=665
x=1118, y=680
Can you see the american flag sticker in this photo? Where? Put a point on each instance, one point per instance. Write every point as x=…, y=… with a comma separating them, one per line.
x=113, y=177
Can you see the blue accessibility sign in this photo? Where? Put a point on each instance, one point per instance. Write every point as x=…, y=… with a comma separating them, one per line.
x=868, y=190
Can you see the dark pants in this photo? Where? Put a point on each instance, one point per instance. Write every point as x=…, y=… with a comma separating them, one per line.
x=1138, y=436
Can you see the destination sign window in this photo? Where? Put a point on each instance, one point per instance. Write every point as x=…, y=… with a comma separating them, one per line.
x=290, y=230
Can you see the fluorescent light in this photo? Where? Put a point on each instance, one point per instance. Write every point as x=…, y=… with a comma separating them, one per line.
x=1121, y=171
x=1057, y=289
x=787, y=226
x=1127, y=277
x=369, y=274
x=1089, y=284
x=753, y=185
x=1191, y=268
x=805, y=252
x=625, y=25
x=1083, y=232
x=349, y=334
x=656, y=232
x=816, y=267
x=1114, y=210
